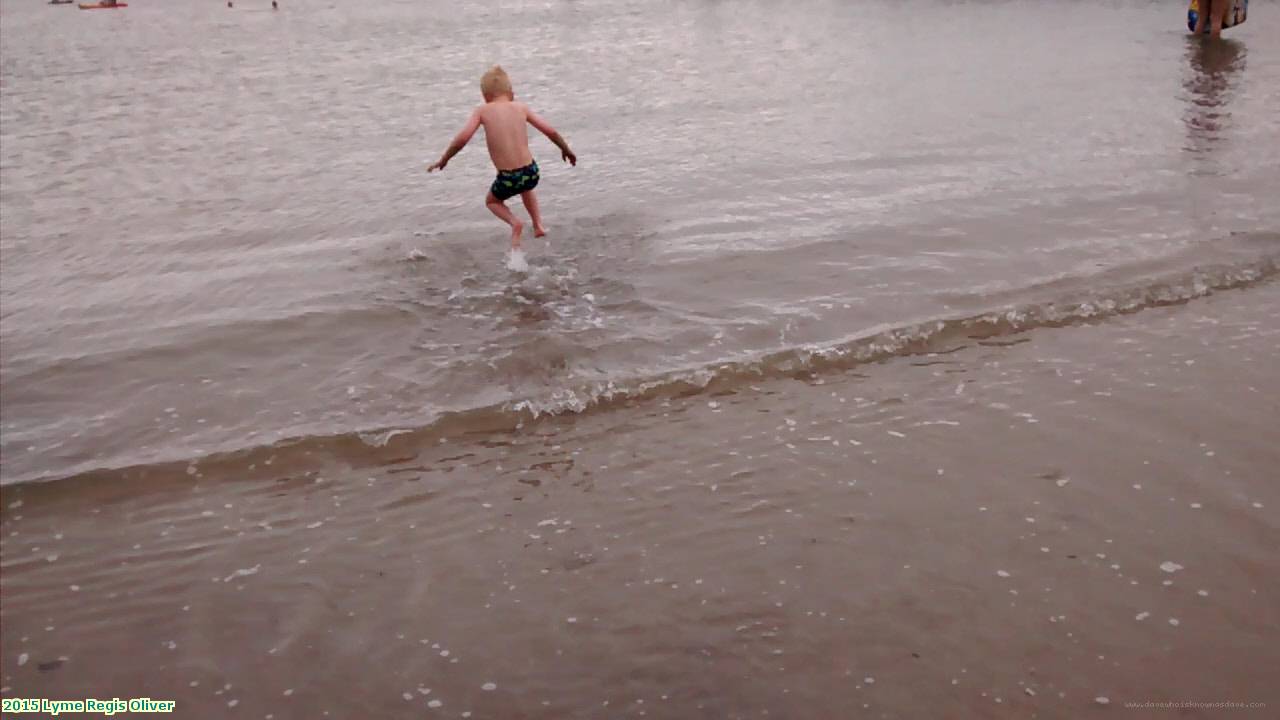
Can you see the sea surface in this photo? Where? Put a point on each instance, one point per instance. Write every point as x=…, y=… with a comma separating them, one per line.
x=217, y=232
x=885, y=360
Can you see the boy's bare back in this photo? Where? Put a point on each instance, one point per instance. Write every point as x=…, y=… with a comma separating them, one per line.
x=505, y=123
x=505, y=131
x=504, y=119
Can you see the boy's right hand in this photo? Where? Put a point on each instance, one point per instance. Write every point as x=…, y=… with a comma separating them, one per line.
x=437, y=165
x=568, y=156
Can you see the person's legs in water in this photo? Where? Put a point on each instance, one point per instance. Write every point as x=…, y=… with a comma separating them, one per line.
x=508, y=184
x=497, y=207
x=1220, y=8
x=535, y=214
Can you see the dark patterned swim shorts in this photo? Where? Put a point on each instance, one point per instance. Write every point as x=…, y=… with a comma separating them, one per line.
x=510, y=183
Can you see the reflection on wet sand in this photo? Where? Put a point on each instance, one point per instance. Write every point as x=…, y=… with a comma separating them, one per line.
x=1214, y=66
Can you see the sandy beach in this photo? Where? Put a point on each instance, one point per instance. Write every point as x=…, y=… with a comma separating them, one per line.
x=1027, y=525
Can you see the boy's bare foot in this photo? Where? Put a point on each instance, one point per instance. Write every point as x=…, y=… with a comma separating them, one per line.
x=517, y=229
x=516, y=261
x=539, y=231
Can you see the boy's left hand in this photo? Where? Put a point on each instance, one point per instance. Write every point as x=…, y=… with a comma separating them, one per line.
x=437, y=165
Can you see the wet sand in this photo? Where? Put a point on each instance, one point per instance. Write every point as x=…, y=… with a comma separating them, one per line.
x=1012, y=527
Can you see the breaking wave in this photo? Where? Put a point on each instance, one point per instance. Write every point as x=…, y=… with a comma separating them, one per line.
x=1054, y=308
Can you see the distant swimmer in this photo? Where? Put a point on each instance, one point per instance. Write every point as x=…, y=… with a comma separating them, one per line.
x=507, y=137
x=275, y=5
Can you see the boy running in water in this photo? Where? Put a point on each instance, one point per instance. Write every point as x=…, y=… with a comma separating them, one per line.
x=505, y=133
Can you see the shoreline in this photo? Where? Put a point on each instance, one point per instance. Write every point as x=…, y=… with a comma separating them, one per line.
x=1006, y=529
x=1184, y=277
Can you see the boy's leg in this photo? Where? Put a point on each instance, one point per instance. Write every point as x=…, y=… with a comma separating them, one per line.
x=504, y=214
x=1202, y=17
x=535, y=214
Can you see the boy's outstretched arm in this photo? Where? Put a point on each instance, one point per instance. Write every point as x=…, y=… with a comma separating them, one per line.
x=459, y=141
x=545, y=128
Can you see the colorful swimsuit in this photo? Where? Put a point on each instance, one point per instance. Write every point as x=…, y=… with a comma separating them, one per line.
x=510, y=183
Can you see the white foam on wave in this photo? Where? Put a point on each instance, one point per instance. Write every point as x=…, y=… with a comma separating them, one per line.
x=380, y=439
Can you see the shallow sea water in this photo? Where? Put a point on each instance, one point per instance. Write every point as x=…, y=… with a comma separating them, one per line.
x=217, y=231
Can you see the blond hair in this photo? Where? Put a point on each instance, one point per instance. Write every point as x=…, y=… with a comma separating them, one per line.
x=495, y=82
